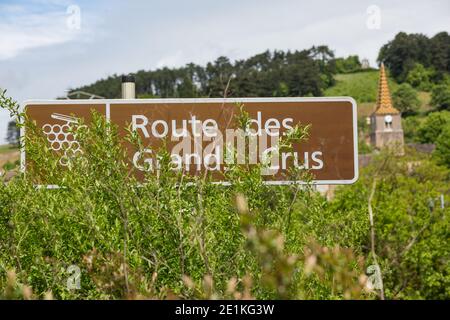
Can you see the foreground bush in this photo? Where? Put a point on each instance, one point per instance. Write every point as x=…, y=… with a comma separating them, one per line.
x=174, y=236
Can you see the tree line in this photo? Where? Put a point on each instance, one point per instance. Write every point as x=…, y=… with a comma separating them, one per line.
x=407, y=52
x=271, y=73
x=414, y=60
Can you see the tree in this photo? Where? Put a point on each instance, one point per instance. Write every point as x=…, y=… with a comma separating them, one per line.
x=220, y=73
x=13, y=134
x=440, y=50
x=410, y=126
x=442, y=151
x=405, y=99
x=400, y=54
x=419, y=77
x=325, y=56
x=440, y=97
x=303, y=79
x=347, y=65
x=432, y=127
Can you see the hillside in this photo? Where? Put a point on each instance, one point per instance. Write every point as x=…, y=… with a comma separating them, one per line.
x=8, y=155
x=363, y=87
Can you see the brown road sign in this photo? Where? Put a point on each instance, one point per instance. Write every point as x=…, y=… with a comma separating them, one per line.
x=203, y=135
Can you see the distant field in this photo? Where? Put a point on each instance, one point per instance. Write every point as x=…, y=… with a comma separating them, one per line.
x=8, y=154
x=6, y=148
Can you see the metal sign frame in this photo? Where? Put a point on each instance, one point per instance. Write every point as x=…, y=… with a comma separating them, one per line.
x=108, y=102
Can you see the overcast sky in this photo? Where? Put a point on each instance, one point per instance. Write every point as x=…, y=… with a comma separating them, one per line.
x=49, y=46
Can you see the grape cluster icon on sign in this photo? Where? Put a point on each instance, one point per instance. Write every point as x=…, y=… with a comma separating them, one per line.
x=63, y=137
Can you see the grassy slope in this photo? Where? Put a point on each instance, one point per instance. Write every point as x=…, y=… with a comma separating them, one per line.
x=8, y=154
x=363, y=87
x=6, y=148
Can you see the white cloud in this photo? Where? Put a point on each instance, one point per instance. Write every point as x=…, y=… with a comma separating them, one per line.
x=22, y=29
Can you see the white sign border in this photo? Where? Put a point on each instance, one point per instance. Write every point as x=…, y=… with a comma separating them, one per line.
x=107, y=103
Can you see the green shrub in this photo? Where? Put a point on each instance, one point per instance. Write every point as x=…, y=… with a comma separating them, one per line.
x=440, y=96
x=410, y=236
x=442, y=152
x=406, y=100
x=411, y=127
x=178, y=236
x=420, y=77
x=170, y=235
x=347, y=65
x=432, y=126
x=363, y=147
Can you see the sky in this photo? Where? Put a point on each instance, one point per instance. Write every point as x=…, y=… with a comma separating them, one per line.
x=50, y=46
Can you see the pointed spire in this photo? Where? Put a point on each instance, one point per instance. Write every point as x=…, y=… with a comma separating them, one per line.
x=384, y=101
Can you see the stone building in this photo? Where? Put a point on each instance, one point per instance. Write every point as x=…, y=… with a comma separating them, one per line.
x=386, y=129
x=365, y=64
x=386, y=121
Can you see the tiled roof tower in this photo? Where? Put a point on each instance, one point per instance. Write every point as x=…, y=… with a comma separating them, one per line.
x=384, y=101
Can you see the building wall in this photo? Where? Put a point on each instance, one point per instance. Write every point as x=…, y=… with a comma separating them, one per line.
x=382, y=136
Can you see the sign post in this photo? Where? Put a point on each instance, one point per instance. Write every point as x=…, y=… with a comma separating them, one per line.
x=201, y=133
